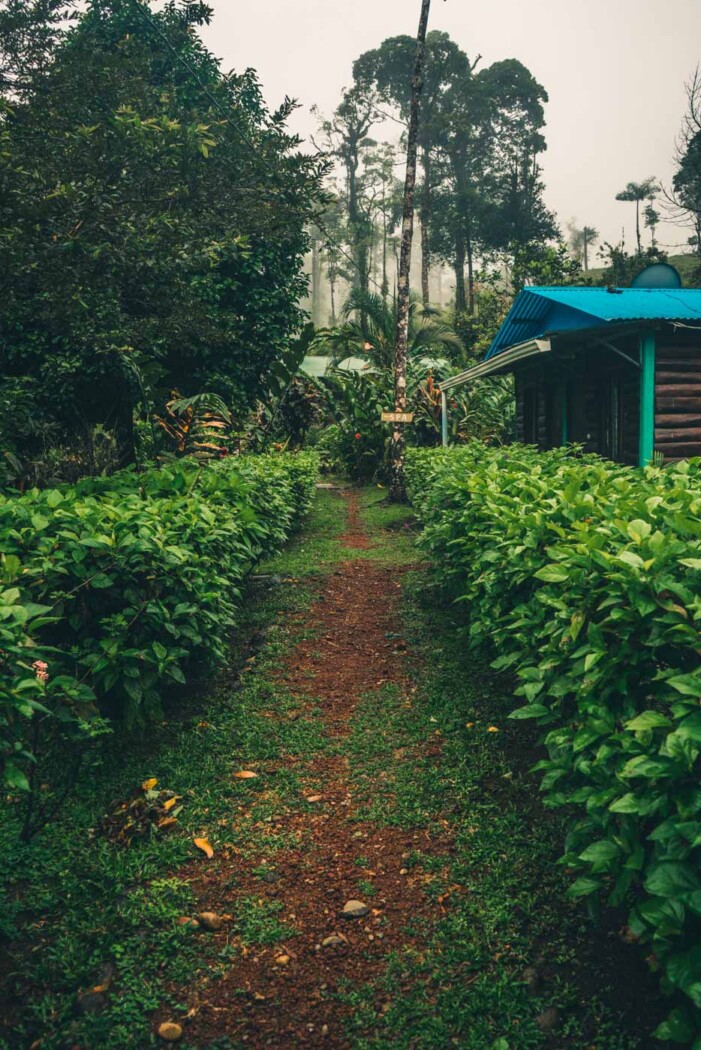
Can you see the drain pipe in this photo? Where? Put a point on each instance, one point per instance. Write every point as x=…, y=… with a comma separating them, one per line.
x=444, y=418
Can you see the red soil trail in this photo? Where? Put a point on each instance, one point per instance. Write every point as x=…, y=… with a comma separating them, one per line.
x=285, y=995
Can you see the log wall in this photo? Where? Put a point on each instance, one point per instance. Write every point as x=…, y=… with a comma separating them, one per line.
x=678, y=400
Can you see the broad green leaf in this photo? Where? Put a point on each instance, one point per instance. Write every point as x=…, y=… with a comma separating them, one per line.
x=647, y=720
x=552, y=573
x=671, y=879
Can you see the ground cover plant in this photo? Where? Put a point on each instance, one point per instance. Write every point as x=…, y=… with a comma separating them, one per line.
x=584, y=578
x=113, y=587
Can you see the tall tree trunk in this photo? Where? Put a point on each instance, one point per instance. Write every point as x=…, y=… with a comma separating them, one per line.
x=470, y=272
x=397, y=484
x=425, y=260
x=586, y=252
x=459, y=267
x=637, y=226
x=124, y=431
x=385, y=285
x=316, y=284
x=332, y=287
x=424, y=219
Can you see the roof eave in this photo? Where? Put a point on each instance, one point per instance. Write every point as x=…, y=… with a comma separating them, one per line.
x=501, y=362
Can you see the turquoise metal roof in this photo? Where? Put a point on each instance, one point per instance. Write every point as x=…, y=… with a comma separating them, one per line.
x=538, y=312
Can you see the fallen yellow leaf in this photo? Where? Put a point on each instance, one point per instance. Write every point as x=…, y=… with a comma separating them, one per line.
x=149, y=784
x=204, y=846
x=245, y=774
x=171, y=802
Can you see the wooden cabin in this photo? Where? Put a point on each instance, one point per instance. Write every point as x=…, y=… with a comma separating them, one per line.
x=616, y=370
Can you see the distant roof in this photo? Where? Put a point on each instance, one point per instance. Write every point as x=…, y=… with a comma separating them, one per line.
x=318, y=365
x=537, y=312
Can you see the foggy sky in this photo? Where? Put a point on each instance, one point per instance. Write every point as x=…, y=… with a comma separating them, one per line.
x=614, y=71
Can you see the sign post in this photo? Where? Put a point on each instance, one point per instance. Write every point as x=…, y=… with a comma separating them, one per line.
x=397, y=417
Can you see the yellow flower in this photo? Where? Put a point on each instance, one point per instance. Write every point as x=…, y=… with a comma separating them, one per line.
x=492, y=729
x=469, y=725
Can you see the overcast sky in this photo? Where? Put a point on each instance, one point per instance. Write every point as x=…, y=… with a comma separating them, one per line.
x=614, y=71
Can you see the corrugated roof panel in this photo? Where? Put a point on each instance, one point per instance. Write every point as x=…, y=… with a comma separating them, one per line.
x=538, y=311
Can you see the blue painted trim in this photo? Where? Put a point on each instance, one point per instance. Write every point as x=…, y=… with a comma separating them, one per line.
x=646, y=444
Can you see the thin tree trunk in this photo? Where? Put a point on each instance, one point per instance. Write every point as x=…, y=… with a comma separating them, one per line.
x=459, y=266
x=316, y=284
x=385, y=284
x=124, y=431
x=397, y=484
x=332, y=286
x=470, y=273
x=425, y=261
x=586, y=254
x=424, y=219
x=637, y=226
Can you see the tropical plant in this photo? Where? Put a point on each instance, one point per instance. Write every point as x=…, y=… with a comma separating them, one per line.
x=368, y=328
x=637, y=192
x=196, y=425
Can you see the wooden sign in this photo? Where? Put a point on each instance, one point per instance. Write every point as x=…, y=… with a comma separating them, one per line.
x=397, y=417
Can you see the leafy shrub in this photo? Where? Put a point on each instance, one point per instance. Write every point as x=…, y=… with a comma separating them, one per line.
x=111, y=587
x=586, y=578
x=357, y=442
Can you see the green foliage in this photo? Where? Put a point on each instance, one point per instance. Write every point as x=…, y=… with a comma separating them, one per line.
x=152, y=216
x=369, y=329
x=196, y=426
x=583, y=576
x=356, y=444
x=112, y=587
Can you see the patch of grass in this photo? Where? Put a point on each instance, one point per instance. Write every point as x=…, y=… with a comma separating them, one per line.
x=392, y=528
x=316, y=546
x=257, y=921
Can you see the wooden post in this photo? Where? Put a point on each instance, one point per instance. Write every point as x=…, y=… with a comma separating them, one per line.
x=646, y=443
x=397, y=492
x=444, y=418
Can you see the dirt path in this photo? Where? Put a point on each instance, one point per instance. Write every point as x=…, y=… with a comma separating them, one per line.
x=286, y=994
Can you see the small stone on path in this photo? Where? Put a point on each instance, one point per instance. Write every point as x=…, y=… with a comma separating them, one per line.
x=90, y=1002
x=170, y=1032
x=210, y=920
x=333, y=941
x=355, y=910
x=186, y=920
x=549, y=1020
x=532, y=979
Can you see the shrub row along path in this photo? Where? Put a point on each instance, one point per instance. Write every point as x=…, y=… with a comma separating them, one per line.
x=353, y=751
x=360, y=900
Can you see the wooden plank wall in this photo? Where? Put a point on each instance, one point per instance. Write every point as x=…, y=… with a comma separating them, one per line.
x=519, y=407
x=630, y=418
x=678, y=401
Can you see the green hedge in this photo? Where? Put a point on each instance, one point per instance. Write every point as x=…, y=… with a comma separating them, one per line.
x=585, y=577
x=110, y=588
